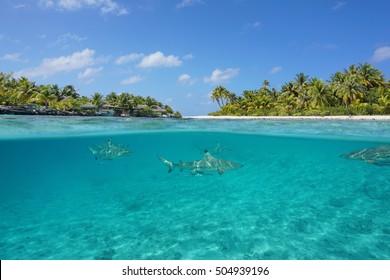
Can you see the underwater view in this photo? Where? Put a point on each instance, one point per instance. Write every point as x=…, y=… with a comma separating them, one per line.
x=115, y=188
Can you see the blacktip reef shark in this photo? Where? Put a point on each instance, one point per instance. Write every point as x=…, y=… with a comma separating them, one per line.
x=109, y=151
x=208, y=164
x=378, y=155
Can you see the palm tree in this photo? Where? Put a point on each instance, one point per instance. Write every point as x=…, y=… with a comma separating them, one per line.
x=369, y=76
x=4, y=78
x=55, y=90
x=137, y=100
x=112, y=99
x=286, y=104
x=151, y=102
x=70, y=91
x=319, y=92
x=25, y=90
x=249, y=95
x=44, y=96
x=168, y=110
x=97, y=100
x=125, y=100
x=8, y=90
x=266, y=84
x=383, y=105
x=232, y=98
x=220, y=94
x=289, y=89
x=349, y=90
x=301, y=81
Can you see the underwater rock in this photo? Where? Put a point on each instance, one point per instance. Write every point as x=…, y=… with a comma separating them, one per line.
x=358, y=225
x=376, y=192
x=106, y=254
x=337, y=202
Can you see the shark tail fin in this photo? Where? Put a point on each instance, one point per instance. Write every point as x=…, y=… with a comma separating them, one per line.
x=168, y=163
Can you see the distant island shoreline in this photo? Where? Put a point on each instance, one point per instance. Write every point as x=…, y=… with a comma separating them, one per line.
x=360, y=90
x=362, y=117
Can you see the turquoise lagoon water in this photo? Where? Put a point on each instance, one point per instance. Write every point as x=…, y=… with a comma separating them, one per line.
x=295, y=197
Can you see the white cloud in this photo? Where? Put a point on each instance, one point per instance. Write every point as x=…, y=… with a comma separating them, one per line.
x=105, y=6
x=221, y=76
x=275, y=69
x=189, y=95
x=381, y=54
x=188, y=3
x=64, y=40
x=255, y=24
x=339, y=5
x=70, y=4
x=122, y=12
x=21, y=6
x=132, y=80
x=127, y=58
x=186, y=79
x=89, y=74
x=188, y=57
x=52, y=66
x=158, y=59
x=15, y=57
x=46, y=4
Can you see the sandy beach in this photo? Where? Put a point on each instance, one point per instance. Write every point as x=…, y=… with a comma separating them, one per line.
x=352, y=118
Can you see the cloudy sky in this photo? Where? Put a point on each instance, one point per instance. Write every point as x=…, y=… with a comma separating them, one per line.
x=178, y=51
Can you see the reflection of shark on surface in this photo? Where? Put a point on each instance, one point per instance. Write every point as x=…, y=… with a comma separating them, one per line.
x=208, y=164
x=109, y=151
x=217, y=149
x=379, y=155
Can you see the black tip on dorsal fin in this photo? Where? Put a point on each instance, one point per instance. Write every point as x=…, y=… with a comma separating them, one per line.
x=205, y=151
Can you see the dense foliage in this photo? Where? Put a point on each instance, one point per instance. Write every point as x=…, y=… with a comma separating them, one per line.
x=359, y=90
x=17, y=92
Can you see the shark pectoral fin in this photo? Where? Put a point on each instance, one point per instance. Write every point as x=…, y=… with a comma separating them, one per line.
x=220, y=171
x=197, y=173
x=168, y=163
x=93, y=151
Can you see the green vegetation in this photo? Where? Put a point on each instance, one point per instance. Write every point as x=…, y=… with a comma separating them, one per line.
x=359, y=90
x=18, y=92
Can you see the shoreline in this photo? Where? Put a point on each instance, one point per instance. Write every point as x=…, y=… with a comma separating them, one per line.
x=351, y=118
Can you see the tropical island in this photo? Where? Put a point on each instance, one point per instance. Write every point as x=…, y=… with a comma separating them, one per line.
x=359, y=90
x=22, y=96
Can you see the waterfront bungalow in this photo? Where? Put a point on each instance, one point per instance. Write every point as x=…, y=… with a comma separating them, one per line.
x=107, y=110
x=159, y=111
x=88, y=109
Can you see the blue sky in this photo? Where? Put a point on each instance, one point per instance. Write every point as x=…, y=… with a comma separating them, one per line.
x=178, y=51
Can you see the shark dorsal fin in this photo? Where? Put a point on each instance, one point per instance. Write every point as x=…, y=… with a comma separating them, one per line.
x=207, y=155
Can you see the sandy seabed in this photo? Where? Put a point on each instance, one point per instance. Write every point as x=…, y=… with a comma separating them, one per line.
x=365, y=118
